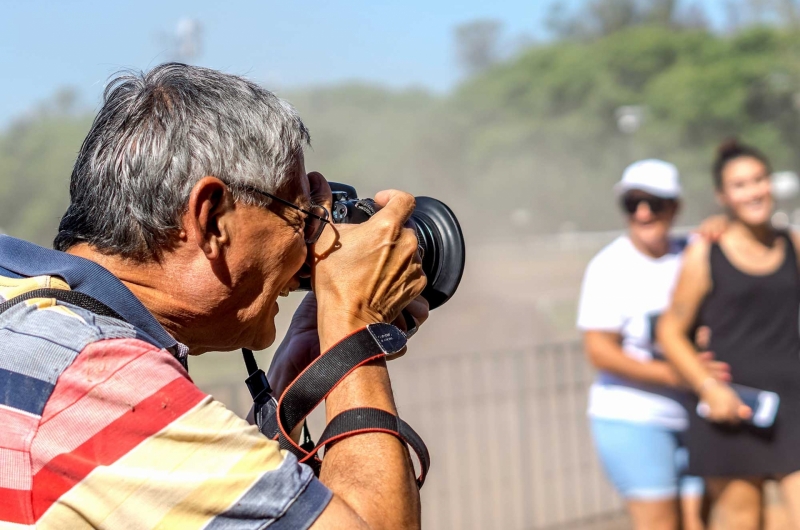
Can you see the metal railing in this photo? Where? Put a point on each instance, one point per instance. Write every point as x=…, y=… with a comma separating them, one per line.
x=508, y=436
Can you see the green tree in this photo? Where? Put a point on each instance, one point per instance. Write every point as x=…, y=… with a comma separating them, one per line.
x=36, y=157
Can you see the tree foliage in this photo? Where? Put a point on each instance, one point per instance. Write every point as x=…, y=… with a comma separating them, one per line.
x=697, y=88
x=36, y=157
x=478, y=44
x=536, y=133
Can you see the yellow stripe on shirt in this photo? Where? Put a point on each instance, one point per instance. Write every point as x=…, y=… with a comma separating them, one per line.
x=199, y=464
x=11, y=287
x=216, y=495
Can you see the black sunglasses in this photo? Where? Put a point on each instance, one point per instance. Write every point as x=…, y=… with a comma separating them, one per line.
x=630, y=203
x=315, y=220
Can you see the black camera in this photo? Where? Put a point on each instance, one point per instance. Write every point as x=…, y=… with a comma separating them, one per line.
x=441, y=243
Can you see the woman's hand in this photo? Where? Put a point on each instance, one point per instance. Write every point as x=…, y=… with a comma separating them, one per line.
x=724, y=406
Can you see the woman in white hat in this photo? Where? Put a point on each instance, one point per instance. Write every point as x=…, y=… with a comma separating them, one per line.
x=636, y=404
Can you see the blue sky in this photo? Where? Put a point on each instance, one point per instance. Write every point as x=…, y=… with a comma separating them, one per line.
x=45, y=45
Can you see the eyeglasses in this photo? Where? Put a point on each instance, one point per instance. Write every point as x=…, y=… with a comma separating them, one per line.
x=315, y=220
x=630, y=203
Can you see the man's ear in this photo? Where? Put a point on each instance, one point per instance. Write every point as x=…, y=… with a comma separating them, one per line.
x=207, y=216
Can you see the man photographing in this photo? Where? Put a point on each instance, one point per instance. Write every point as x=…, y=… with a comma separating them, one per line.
x=191, y=212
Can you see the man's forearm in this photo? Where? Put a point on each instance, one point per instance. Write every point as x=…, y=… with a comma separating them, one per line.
x=606, y=354
x=371, y=472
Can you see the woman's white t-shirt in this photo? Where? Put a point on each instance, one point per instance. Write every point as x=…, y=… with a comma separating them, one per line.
x=625, y=291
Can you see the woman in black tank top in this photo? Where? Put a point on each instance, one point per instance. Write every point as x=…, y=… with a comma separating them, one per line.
x=746, y=289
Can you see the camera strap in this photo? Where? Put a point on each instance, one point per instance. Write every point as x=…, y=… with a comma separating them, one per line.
x=315, y=383
x=62, y=295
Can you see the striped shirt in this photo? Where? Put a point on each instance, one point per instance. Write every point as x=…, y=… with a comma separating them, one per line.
x=101, y=426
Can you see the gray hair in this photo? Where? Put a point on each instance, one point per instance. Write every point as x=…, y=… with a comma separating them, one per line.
x=160, y=132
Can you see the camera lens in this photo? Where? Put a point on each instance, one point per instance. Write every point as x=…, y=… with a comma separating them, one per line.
x=443, y=251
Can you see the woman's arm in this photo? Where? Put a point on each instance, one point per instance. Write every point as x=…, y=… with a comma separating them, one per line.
x=604, y=350
x=677, y=321
x=674, y=326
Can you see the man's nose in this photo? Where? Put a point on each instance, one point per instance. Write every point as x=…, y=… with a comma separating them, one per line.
x=643, y=212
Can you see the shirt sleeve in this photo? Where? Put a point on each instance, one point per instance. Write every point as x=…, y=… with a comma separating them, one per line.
x=599, y=307
x=147, y=448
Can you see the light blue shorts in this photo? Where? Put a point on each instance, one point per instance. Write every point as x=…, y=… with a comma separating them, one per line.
x=644, y=461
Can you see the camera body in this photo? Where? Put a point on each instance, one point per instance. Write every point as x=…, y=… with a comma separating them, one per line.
x=441, y=242
x=347, y=207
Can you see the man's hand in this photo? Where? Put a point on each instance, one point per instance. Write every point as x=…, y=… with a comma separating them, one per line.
x=418, y=310
x=712, y=228
x=721, y=371
x=368, y=272
x=320, y=190
x=298, y=349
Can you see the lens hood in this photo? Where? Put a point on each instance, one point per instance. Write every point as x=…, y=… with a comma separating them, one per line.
x=441, y=238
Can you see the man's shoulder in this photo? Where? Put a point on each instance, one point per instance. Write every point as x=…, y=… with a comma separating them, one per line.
x=45, y=320
x=612, y=256
x=40, y=338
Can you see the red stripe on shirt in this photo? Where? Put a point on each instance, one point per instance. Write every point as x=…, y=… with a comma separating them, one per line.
x=107, y=446
x=15, y=469
x=18, y=428
x=15, y=506
x=106, y=393
x=97, y=362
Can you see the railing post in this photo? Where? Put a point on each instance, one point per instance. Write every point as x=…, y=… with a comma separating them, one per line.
x=525, y=461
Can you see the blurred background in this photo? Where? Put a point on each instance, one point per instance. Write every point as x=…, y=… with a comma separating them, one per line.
x=519, y=115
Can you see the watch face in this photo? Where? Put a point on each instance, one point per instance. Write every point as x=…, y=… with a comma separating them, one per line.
x=389, y=338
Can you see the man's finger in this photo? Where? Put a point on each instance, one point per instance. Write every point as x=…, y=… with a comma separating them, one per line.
x=395, y=204
x=419, y=309
x=720, y=373
x=703, y=337
x=721, y=366
x=320, y=190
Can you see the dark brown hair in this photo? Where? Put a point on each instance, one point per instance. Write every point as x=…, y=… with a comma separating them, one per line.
x=730, y=150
